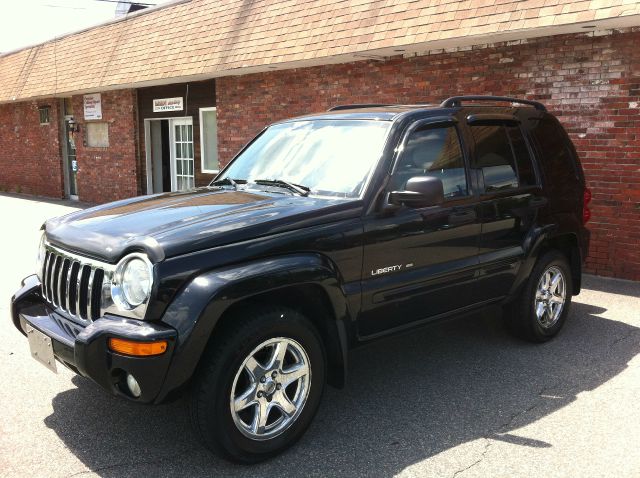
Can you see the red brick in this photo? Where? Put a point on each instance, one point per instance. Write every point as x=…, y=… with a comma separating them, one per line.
x=30, y=152
x=108, y=174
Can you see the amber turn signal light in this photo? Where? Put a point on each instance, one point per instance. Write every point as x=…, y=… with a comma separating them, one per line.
x=137, y=349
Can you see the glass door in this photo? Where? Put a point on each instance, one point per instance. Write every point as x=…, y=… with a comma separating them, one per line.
x=72, y=162
x=182, y=161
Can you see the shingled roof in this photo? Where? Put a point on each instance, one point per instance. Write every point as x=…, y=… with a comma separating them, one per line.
x=197, y=39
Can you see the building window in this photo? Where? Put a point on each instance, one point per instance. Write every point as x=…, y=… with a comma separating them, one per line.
x=209, y=141
x=44, y=112
x=97, y=135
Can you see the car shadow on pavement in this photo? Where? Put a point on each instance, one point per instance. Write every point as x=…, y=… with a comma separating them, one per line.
x=612, y=286
x=408, y=398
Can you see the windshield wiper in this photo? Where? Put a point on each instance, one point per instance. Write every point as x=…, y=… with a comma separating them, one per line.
x=296, y=188
x=231, y=182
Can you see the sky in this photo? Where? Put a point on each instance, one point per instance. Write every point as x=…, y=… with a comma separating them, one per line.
x=26, y=22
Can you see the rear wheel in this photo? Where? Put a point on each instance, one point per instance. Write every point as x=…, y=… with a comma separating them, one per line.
x=259, y=384
x=543, y=306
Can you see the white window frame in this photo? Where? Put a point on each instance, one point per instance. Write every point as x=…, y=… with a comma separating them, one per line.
x=202, y=168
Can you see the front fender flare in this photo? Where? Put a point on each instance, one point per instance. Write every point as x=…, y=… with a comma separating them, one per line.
x=195, y=311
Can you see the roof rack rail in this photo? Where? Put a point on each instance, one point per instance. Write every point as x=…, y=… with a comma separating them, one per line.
x=357, y=106
x=456, y=101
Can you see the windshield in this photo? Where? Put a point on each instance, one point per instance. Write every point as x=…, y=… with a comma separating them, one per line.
x=330, y=157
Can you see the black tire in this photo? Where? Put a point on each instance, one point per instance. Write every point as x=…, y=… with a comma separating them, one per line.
x=210, y=407
x=521, y=314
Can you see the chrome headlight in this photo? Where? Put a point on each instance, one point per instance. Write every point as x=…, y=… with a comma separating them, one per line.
x=42, y=253
x=132, y=283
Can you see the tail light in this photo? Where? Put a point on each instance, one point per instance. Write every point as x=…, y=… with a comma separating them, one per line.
x=586, y=199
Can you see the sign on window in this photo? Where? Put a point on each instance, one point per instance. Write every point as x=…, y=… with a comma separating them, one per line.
x=92, y=106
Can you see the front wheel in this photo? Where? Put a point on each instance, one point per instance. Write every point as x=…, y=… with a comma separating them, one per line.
x=542, y=308
x=259, y=384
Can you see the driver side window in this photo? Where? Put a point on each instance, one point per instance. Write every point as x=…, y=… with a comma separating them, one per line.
x=433, y=152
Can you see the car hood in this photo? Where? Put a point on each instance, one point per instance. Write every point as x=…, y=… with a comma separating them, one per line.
x=171, y=224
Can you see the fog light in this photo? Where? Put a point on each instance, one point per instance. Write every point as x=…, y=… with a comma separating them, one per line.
x=134, y=388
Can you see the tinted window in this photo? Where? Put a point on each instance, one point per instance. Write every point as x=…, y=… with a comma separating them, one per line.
x=433, y=152
x=495, y=157
x=526, y=173
x=554, y=149
x=557, y=158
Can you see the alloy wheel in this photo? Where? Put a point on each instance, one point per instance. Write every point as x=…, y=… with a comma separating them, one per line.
x=270, y=388
x=550, y=297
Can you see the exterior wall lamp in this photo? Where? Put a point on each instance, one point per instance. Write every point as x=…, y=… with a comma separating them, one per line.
x=74, y=127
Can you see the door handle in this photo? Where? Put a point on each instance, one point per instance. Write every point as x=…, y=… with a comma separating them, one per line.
x=538, y=201
x=458, y=217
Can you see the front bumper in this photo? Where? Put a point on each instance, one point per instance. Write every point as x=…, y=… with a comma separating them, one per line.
x=85, y=350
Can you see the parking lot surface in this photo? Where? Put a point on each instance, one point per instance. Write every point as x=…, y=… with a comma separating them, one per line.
x=459, y=399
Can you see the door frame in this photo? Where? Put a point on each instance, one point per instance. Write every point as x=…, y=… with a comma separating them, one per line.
x=64, y=149
x=66, y=166
x=147, y=150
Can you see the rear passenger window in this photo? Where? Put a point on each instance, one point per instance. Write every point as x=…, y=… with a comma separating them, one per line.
x=526, y=174
x=433, y=152
x=494, y=157
x=503, y=157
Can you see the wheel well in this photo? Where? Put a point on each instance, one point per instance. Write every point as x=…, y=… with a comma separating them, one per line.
x=567, y=244
x=311, y=301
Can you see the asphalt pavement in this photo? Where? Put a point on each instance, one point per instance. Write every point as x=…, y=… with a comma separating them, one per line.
x=460, y=399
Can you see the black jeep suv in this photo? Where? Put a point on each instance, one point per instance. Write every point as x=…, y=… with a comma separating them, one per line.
x=323, y=233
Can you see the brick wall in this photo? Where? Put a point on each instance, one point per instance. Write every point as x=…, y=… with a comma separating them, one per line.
x=108, y=174
x=591, y=81
x=30, y=159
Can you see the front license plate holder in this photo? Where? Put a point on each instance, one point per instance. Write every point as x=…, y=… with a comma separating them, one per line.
x=41, y=348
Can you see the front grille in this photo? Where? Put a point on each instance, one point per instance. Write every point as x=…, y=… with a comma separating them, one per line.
x=72, y=285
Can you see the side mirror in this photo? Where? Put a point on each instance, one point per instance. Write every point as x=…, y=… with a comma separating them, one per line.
x=420, y=191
